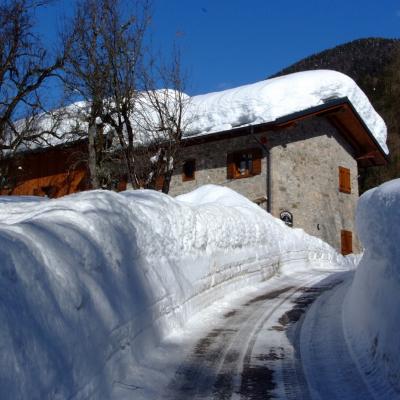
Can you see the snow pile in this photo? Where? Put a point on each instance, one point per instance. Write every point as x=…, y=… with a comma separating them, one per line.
x=371, y=312
x=271, y=99
x=87, y=278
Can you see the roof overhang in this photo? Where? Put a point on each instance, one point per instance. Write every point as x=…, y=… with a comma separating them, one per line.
x=342, y=115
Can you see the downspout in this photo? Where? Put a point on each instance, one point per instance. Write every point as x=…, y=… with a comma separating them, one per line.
x=269, y=192
x=268, y=175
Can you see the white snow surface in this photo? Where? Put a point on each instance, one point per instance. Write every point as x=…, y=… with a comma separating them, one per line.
x=371, y=311
x=90, y=278
x=252, y=104
x=271, y=99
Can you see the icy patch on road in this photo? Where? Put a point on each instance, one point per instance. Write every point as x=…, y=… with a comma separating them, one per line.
x=371, y=311
x=99, y=276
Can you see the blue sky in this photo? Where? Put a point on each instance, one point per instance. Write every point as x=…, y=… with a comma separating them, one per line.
x=227, y=43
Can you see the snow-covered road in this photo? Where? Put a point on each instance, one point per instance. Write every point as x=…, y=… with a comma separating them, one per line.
x=283, y=340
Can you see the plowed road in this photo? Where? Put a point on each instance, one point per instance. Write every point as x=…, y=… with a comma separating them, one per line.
x=284, y=342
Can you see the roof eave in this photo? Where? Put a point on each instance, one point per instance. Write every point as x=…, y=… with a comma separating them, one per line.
x=367, y=147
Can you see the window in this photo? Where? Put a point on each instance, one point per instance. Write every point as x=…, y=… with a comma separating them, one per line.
x=344, y=180
x=346, y=242
x=243, y=164
x=188, y=170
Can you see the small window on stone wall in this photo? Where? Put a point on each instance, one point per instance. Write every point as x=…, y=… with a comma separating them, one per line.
x=346, y=242
x=243, y=164
x=188, y=170
x=344, y=180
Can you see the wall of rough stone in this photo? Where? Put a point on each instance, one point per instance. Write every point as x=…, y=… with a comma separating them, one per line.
x=211, y=168
x=305, y=160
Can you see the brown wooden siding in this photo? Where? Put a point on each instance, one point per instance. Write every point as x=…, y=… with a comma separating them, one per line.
x=52, y=186
x=54, y=172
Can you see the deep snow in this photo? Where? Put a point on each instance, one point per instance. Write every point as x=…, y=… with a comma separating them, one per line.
x=371, y=311
x=93, y=277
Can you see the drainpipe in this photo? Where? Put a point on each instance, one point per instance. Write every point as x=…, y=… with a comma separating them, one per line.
x=268, y=177
x=269, y=195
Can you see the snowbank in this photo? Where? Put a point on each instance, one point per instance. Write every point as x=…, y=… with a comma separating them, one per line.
x=271, y=99
x=86, y=278
x=371, y=313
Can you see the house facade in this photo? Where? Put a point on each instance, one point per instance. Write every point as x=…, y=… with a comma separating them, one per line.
x=302, y=168
x=292, y=144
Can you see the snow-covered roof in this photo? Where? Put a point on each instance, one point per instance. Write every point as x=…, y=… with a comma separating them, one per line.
x=253, y=104
x=268, y=100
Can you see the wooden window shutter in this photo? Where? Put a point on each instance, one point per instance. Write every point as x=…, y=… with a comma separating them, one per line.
x=230, y=166
x=346, y=242
x=257, y=156
x=344, y=180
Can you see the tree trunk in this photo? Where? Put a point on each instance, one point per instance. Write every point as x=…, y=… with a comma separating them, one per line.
x=94, y=180
x=167, y=181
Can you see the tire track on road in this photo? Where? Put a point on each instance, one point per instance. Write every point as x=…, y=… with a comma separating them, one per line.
x=222, y=364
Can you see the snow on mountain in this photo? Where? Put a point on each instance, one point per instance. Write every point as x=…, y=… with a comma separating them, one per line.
x=271, y=99
x=371, y=312
x=90, y=277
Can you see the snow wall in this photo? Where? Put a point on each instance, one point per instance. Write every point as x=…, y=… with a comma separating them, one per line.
x=371, y=312
x=87, y=276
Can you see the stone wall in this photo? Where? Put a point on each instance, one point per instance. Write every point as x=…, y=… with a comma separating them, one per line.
x=211, y=168
x=305, y=160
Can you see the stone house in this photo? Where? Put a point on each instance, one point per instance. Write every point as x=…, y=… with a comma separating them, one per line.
x=303, y=167
x=291, y=144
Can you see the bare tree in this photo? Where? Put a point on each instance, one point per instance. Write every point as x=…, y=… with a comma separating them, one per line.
x=126, y=54
x=86, y=72
x=164, y=118
x=24, y=67
x=129, y=122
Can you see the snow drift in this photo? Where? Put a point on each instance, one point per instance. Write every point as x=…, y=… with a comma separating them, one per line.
x=371, y=312
x=90, y=276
